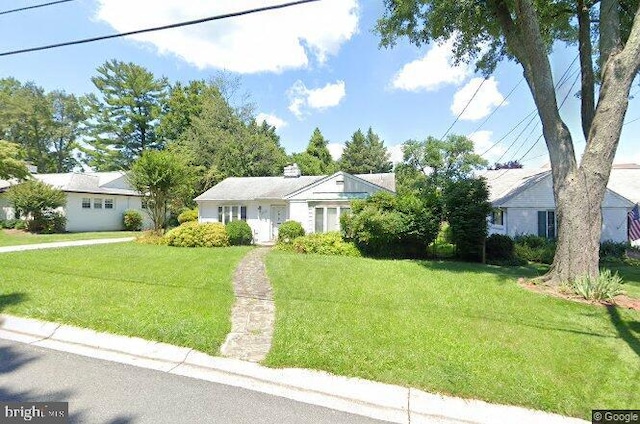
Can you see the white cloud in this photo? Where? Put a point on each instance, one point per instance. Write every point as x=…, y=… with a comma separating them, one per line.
x=487, y=98
x=336, y=150
x=433, y=71
x=271, y=41
x=272, y=120
x=482, y=141
x=302, y=98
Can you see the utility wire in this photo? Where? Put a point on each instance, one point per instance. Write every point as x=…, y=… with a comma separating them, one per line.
x=464, y=109
x=159, y=28
x=35, y=6
x=499, y=106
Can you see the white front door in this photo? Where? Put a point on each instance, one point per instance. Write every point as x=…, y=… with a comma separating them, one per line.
x=278, y=216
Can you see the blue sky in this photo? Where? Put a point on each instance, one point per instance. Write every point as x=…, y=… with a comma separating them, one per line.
x=315, y=65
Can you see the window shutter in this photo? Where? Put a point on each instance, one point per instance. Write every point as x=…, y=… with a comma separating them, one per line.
x=551, y=224
x=542, y=224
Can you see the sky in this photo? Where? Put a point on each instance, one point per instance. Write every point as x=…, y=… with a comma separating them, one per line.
x=312, y=65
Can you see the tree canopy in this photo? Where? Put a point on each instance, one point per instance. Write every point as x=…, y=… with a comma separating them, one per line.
x=11, y=163
x=365, y=154
x=124, y=117
x=607, y=34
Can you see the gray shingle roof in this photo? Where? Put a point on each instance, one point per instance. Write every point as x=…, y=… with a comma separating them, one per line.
x=504, y=184
x=255, y=188
x=89, y=182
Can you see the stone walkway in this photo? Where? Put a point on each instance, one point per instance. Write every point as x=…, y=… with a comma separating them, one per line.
x=253, y=313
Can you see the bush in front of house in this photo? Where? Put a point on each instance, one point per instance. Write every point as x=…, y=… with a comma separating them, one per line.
x=239, y=233
x=151, y=237
x=132, y=220
x=325, y=244
x=534, y=248
x=385, y=225
x=188, y=216
x=467, y=206
x=289, y=231
x=194, y=234
x=499, y=247
x=47, y=222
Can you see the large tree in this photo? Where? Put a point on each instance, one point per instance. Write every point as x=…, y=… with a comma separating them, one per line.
x=525, y=31
x=220, y=142
x=26, y=119
x=122, y=120
x=365, y=154
x=316, y=159
x=12, y=164
x=67, y=115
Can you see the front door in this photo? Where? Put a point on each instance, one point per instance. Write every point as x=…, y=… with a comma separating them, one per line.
x=278, y=216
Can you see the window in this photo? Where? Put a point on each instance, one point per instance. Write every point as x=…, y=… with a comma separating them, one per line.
x=108, y=203
x=232, y=213
x=145, y=204
x=327, y=218
x=97, y=203
x=86, y=203
x=547, y=224
x=497, y=217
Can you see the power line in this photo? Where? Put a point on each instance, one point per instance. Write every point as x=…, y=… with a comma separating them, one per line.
x=159, y=28
x=35, y=6
x=632, y=121
x=464, y=109
x=500, y=105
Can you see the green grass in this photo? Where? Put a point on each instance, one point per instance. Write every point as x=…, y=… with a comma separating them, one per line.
x=14, y=238
x=462, y=329
x=631, y=277
x=172, y=295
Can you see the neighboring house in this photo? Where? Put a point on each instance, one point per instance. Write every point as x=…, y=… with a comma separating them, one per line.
x=95, y=200
x=316, y=202
x=523, y=202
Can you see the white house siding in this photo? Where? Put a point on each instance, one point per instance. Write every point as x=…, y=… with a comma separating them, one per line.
x=6, y=211
x=300, y=211
x=338, y=187
x=258, y=215
x=92, y=219
x=614, y=224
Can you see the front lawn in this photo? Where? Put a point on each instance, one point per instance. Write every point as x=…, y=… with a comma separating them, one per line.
x=462, y=329
x=172, y=295
x=13, y=237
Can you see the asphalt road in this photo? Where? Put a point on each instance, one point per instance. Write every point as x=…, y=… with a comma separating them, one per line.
x=107, y=392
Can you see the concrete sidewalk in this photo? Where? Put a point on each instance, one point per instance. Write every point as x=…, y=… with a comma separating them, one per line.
x=357, y=396
x=56, y=244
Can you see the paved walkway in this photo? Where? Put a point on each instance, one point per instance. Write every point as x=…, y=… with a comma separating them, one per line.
x=253, y=313
x=56, y=244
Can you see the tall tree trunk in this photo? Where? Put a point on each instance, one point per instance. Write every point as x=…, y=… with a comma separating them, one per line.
x=578, y=190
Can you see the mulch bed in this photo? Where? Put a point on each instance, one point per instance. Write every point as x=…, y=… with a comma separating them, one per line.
x=621, y=301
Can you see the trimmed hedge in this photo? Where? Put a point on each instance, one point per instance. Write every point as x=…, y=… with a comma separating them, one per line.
x=132, y=220
x=499, y=247
x=325, y=244
x=188, y=216
x=193, y=234
x=239, y=233
x=289, y=231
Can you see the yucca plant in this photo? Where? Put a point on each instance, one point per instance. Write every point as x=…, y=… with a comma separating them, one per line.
x=605, y=287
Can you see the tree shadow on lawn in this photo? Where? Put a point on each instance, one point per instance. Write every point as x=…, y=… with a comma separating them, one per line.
x=11, y=299
x=504, y=273
x=629, y=331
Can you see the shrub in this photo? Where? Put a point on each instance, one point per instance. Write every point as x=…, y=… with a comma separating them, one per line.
x=240, y=233
x=20, y=224
x=132, y=220
x=324, y=244
x=533, y=248
x=47, y=222
x=9, y=223
x=289, y=231
x=151, y=237
x=499, y=247
x=193, y=234
x=605, y=287
x=188, y=216
x=467, y=206
x=385, y=225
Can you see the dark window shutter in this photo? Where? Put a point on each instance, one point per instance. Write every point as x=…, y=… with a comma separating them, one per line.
x=542, y=223
x=551, y=224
